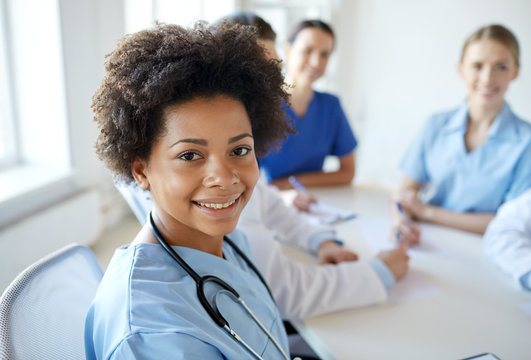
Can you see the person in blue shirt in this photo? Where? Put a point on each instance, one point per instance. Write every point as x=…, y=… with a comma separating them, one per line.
x=475, y=157
x=180, y=113
x=321, y=125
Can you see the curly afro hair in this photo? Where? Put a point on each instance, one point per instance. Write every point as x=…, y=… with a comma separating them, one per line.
x=169, y=64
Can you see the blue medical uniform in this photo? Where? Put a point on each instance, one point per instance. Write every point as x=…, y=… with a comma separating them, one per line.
x=324, y=130
x=147, y=307
x=478, y=181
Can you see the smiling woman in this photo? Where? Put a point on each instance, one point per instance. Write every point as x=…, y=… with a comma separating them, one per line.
x=184, y=113
x=321, y=124
x=200, y=173
x=477, y=156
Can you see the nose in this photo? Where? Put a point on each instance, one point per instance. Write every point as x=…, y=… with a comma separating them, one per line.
x=315, y=60
x=486, y=74
x=221, y=174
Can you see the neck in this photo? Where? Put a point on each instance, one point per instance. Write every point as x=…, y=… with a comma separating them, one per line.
x=179, y=235
x=300, y=98
x=483, y=114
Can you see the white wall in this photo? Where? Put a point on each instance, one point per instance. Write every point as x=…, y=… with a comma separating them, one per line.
x=396, y=65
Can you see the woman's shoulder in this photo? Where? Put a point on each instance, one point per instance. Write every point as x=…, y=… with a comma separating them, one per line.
x=523, y=126
x=325, y=96
x=451, y=119
x=240, y=240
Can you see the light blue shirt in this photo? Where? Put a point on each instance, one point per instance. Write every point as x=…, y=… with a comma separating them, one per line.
x=147, y=307
x=477, y=181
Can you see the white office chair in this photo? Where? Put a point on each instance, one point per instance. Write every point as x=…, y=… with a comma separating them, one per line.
x=42, y=312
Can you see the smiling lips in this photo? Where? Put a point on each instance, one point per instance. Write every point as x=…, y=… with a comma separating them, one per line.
x=217, y=205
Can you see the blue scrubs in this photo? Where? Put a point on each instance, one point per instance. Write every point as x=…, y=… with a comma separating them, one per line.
x=477, y=181
x=147, y=307
x=324, y=130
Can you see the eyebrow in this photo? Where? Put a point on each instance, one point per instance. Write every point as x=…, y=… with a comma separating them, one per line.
x=239, y=137
x=204, y=142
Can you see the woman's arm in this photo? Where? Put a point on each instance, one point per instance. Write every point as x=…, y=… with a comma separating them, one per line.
x=408, y=198
x=473, y=222
x=343, y=176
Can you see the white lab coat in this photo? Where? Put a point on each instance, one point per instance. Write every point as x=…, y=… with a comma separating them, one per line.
x=302, y=290
x=507, y=240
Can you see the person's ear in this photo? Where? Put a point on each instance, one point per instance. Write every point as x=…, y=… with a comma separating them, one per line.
x=139, y=171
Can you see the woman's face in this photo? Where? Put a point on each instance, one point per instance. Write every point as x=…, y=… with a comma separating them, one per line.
x=487, y=69
x=308, y=56
x=202, y=170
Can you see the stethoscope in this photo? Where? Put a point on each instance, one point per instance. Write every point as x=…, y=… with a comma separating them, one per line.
x=202, y=280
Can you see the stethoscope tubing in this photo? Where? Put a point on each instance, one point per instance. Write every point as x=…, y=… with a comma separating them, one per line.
x=200, y=281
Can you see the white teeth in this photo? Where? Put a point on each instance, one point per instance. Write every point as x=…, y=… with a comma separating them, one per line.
x=217, y=205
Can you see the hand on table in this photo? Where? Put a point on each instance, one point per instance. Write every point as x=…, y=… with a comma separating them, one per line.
x=331, y=252
x=397, y=260
x=403, y=229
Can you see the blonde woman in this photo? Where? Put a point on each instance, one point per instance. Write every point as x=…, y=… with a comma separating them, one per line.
x=476, y=156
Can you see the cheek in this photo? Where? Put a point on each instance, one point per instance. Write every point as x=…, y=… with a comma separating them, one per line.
x=250, y=173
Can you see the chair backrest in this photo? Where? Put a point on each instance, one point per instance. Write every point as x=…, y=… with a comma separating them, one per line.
x=42, y=312
x=138, y=199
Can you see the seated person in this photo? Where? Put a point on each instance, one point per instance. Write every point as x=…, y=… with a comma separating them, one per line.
x=184, y=113
x=321, y=124
x=302, y=290
x=507, y=240
x=474, y=157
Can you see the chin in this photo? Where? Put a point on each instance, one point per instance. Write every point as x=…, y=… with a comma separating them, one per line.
x=222, y=228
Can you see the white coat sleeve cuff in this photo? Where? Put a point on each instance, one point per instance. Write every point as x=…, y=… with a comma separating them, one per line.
x=318, y=238
x=383, y=272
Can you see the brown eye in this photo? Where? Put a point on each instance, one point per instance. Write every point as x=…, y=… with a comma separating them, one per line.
x=189, y=156
x=241, y=151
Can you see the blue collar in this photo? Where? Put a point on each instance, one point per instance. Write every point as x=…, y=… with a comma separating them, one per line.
x=503, y=126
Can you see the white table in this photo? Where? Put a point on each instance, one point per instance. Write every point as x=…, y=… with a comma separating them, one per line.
x=477, y=311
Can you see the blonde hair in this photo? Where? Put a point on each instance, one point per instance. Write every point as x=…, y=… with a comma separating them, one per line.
x=497, y=33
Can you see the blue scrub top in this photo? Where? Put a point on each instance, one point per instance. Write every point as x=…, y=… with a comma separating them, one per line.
x=324, y=130
x=477, y=181
x=147, y=307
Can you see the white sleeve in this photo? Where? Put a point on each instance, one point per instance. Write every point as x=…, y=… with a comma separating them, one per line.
x=284, y=222
x=507, y=240
x=302, y=290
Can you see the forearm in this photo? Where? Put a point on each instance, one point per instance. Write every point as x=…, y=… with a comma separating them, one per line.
x=472, y=222
x=343, y=176
x=318, y=178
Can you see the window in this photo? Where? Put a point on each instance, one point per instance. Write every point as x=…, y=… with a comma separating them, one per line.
x=35, y=153
x=7, y=129
x=141, y=14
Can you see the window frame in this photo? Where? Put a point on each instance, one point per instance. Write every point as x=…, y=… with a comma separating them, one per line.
x=9, y=132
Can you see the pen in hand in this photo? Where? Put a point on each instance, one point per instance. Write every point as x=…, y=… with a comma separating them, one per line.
x=303, y=201
x=296, y=184
x=404, y=217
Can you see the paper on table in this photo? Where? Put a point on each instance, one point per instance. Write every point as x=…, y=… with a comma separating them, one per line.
x=413, y=286
x=376, y=233
x=325, y=213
